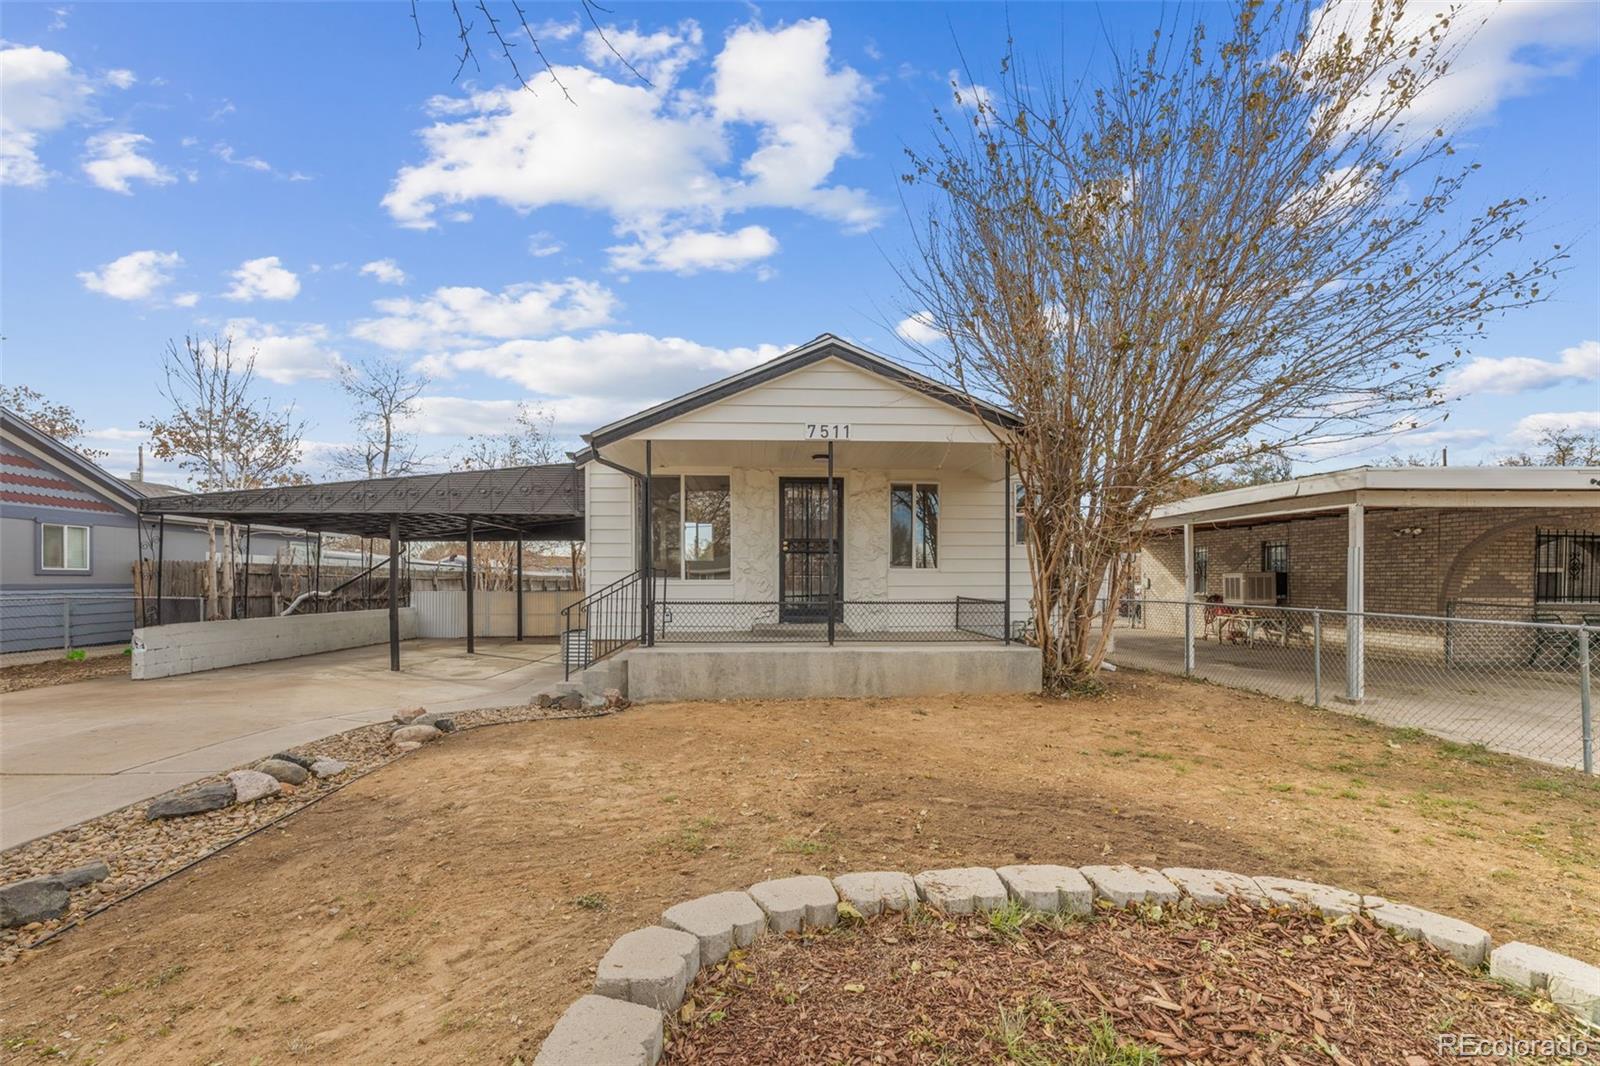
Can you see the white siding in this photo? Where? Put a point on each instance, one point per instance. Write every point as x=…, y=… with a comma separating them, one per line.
x=609, y=510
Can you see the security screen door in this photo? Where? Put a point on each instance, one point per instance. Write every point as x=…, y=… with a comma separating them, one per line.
x=806, y=568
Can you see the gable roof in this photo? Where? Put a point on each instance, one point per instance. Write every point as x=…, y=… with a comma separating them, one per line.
x=826, y=346
x=66, y=460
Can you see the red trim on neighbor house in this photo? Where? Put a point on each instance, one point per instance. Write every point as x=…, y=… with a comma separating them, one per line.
x=56, y=501
x=38, y=482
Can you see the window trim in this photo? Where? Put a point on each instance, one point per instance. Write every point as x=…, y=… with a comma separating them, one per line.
x=938, y=549
x=683, y=560
x=88, y=548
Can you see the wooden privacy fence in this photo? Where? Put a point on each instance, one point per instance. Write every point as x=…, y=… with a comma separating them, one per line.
x=444, y=613
x=260, y=590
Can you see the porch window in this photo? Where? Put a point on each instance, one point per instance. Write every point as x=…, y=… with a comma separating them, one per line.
x=1202, y=564
x=63, y=547
x=1016, y=510
x=914, y=526
x=691, y=527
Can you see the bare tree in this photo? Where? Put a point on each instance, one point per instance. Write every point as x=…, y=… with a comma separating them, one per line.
x=55, y=420
x=1559, y=446
x=508, y=31
x=224, y=435
x=1219, y=248
x=531, y=442
x=383, y=394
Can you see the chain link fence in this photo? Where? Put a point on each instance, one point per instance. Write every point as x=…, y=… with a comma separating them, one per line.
x=1523, y=688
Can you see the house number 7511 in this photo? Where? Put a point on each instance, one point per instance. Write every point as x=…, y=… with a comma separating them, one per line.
x=827, y=430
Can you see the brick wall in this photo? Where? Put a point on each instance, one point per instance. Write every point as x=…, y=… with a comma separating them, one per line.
x=1479, y=555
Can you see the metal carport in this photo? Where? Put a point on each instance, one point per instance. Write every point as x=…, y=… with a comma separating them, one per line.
x=512, y=503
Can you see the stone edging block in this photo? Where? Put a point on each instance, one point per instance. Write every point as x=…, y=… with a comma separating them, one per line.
x=600, y=1030
x=1048, y=889
x=1332, y=902
x=651, y=967
x=1465, y=943
x=795, y=903
x=876, y=891
x=721, y=922
x=962, y=890
x=1126, y=885
x=1570, y=983
x=1213, y=888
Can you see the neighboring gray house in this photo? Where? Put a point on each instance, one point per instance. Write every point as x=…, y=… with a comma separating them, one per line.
x=69, y=540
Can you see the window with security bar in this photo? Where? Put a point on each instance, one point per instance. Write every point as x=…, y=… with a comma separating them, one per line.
x=1566, y=566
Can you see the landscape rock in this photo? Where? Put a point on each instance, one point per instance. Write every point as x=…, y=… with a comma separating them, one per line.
x=290, y=773
x=409, y=715
x=595, y=703
x=651, y=967
x=1126, y=885
x=407, y=745
x=1462, y=941
x=569, y=702
x=79, y=876
x=36, y=900
x=546, y=701
x=1213, y=888
x=415, y=734
x=324, y=767
x=597, y=1029
x=795, y=903
x=877, y=891
x=615, y=699
x=1332, y=902
x=963, y=890
x=442, y=722
x=1048, y=889
x=211, y=797
x=721, y=922
x=251, y=785
x=298, y=760
x=1570, y=983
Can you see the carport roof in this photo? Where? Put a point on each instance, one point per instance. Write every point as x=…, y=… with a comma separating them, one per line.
x=536, y=502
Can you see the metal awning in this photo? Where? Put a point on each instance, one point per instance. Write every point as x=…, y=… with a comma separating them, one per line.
x=533, y=502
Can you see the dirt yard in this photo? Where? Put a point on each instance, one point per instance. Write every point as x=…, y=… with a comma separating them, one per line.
x=447, y=908
x=61, y=671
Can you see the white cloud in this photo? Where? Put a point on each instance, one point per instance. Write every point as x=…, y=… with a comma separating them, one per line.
x=1530, y=428
x=186, y=299
x=226, y=153
x=42, y=93
x=661, y=159
x=968, y=97
x=386, y=271
x=918, y=329
x=606, y=366
x=458, y=416
x=1578, y=365
x=114, y=160
x=121, y=78
x=1507, y=50
x=691, y=251
x=541, y=244
x=263, y=279
x=286, y=356
x=135, y=276
x=461, y=316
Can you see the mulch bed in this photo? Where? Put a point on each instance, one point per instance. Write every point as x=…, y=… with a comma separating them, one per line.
x=140, y=852
x=1230, y=986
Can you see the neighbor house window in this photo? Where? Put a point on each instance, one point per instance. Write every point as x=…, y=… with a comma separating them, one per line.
x=1275, y=556
x=1020, y=521
x=691, y=526
x=1202, y=565
x=63, y=547
x=914, y=526
x=1566, y=566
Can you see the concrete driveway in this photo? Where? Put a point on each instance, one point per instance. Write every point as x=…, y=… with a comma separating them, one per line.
x=71, y=752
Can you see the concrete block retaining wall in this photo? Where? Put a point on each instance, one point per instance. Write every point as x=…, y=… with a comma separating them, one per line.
x=189, y=647
x=801, y=671
x=646, y=973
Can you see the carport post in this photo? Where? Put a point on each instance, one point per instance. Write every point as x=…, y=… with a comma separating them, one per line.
x=1188, y=598
x=246, y=592
x=519, y=586
x=833, y=547
x=1007, y=505
x=472, y=644
x=394, y=592
x=161, y=558
x=1355, y=603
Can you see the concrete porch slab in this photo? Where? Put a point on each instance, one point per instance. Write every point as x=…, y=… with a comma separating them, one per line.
x=799, y=671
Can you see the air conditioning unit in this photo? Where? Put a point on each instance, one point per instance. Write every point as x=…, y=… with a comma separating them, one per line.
x=1255, y=588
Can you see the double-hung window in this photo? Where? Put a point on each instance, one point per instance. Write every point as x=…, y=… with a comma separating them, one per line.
x=63, y=547
x=914, y=526
x=691, y=527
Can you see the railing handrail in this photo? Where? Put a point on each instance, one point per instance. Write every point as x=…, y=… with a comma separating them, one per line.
x=1448, y=619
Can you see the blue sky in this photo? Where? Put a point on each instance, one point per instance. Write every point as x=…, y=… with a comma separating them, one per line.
x=308, y=178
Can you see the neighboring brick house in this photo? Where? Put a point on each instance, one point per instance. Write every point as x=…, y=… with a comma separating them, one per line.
x=1481, y=542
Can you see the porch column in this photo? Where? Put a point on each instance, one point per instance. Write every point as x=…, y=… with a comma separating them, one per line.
x=1007, y=509
x=646, y=608
x=1355, y=602
x=834, y=576
x=1188, y=597
x=519, y=587
x=472, y=642
x=394, y=592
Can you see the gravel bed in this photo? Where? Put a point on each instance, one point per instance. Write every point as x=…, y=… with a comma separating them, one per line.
x=139, y=851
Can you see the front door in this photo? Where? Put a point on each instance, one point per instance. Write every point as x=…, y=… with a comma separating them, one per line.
x=808, y=568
